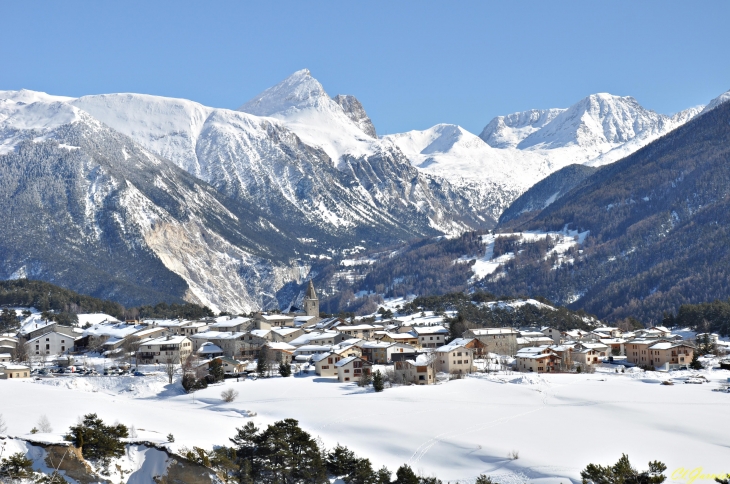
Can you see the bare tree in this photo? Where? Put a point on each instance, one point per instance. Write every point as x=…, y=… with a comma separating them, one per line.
x=130, y=345
x=22, y=352
x=43, y=425
x=170, y=368
x=3, y=427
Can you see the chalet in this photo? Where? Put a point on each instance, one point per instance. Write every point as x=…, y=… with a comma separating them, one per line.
x=352, y=368
x=454, y=358
x=502, y=341
x=537, y=359
x=415, y=372
x=167, y=349
x=616, y=346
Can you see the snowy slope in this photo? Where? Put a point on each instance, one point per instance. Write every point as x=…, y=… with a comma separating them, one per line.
x=724, y=97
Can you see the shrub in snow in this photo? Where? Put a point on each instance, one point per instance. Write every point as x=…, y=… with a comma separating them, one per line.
x=482, y=479
x=514, y=455
x=229, y=395
x=170, y=438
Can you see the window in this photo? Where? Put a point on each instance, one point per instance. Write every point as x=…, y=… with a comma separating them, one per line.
x=325, y=367
x=347, y=370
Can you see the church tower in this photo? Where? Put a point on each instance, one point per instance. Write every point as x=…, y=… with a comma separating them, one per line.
x=311, y=302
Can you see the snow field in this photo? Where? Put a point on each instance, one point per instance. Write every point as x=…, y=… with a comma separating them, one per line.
x=557, y=423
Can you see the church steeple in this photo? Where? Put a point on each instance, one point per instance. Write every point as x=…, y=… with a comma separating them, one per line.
x=311, y=301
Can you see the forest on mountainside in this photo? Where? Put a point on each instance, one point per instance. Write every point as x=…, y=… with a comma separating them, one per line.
x=707, y=317
x=62, y=305
x=659, y=223
x=426, y=266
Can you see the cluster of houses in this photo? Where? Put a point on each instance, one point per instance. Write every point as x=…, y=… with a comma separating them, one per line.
x=342, y=349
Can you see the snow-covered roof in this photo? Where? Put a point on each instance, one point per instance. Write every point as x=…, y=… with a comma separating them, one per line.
x=313, y=336
x=12, y=366
x=95, y=318
x=261, y=333
x=166, y=340
x=429, y=330
x=117, y=330
x=46, y=335
x=276, y=317
x=284, y=331
x=229, y=323
x=345, y=361
x=32, y=323
x=213, y=335
x=493, y=331
x=280, y=346
x=320, y=357
x=457, y=343
x=209, y=348
x=312, y=348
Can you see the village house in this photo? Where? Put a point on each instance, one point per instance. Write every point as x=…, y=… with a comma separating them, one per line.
x=431, y=336
x=537, y=360
x=167, y=349
x=454, y=358
x=191, y=328
x=324, y=364
x=233, y=345
x=9, y=370
x=8, y=344
x=52, y=343
x=607, y=332
x=502, y=341
x=362, y=331
x=345, y=350
x=616, y=346
x=232, y=366
x=281, y=352
x=415, y=372
x=285, y=335
x=352, y=368
x=665, y=355
x=383, y=352
x=318, y=338
x=405, y=338
x=528, y=341
x=5, y=357
x=637, y=351
x=588, y=354
x=552, y=333
x=306, y=351
x=275, y=320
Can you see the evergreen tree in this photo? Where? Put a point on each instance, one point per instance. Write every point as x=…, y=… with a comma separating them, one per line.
x=695, y=363
x=482, y=479
x=97, y=440
x=216, y=370
x=340, y=461
x=16, y=466
x=284, y=369
x=262, y=362
x=378, y=381
x=382, y=476
x=623, y=473
x=405, y=475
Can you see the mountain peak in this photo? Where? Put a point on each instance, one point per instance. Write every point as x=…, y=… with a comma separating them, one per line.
x=354, y=110
x=298, y=91
x=724, y=97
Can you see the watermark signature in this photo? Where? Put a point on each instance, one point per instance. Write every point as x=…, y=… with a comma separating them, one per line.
x=696, y=474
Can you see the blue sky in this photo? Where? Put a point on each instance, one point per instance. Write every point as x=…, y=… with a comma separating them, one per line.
x=412, y=64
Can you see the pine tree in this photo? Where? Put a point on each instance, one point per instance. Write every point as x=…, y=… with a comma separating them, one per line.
x=482, y=479
x=622, y=472
x=284, y=369
x=405, y=475
x=97, y=440
x=695, y=363
x=216, y=370
x=378, y=381
x=262, y=362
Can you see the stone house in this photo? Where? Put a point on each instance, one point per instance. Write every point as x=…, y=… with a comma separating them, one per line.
x=352, y=368
x=502, y=341
x=454, y=358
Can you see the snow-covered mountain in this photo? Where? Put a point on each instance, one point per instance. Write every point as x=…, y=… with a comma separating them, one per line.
x=229, y=207
x=515, y=151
